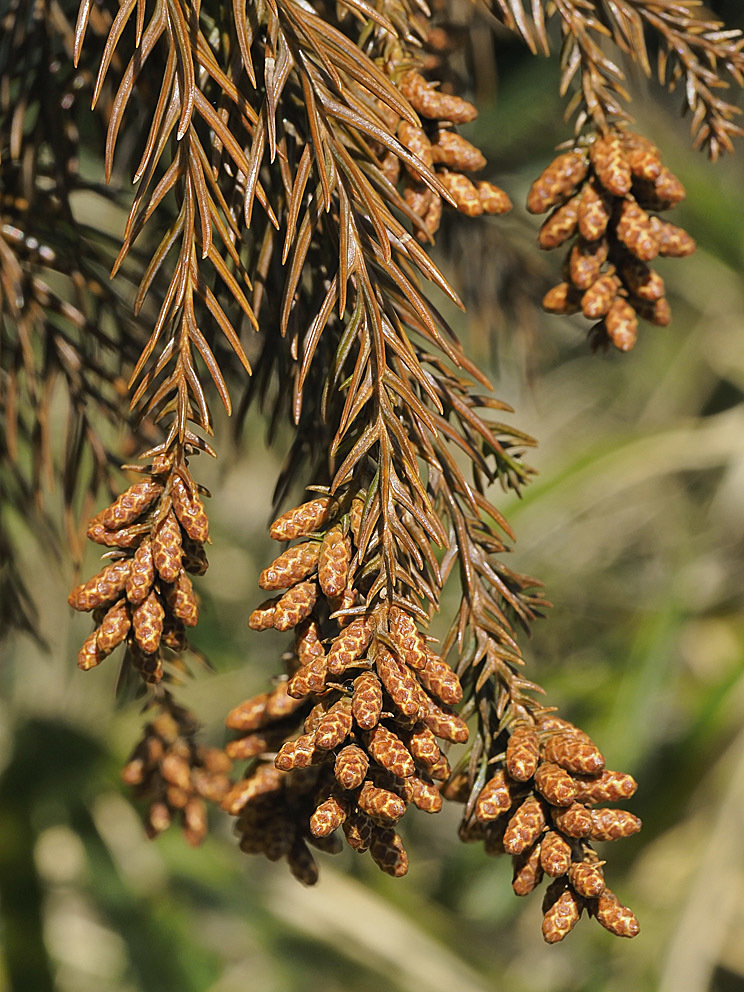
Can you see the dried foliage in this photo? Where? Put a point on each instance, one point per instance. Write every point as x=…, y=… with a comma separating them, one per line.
x=291, y=161
x=64, y=333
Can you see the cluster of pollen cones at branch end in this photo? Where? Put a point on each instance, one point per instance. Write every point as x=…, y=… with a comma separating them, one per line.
x=352, y=736
x=442, y=150
x=541, y=807
x=604, y=196
x=143, y=596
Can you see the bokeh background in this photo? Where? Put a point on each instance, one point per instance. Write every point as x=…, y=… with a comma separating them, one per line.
x=635, y=523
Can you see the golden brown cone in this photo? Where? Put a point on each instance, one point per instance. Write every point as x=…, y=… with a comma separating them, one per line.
x=641, y=280
x=349, y=646
x=131, y=504
x=562, y=299
x=381, y=804
x=335, y=726
x=351, y=766
x=555, y=854
x=574, y=820
x=562, y=916
x=525, y=826
x=90, y=654
x=182, y=601
x=642, y=156
x=598, y=299
x=416, y=141
x=400, y=683
x=610, y=165
x=593, y=212
x=249, y=715
x=328, y=816
x=102, y=588
x=587, y=879
x=429, y=102
x=575, y=754
x=673, y=241
x=528, y=871
x=621, y=324
x=456, y=152
x=308, y=641
x=558, y=181
x=298, y=753
x=463, y=192
x=423, y=745
x=114, y=628
x=560, y=225
x=147, y=623
x=440, y=681
x=367, y=700
x=495, y=798
x=388, y=750
x=613, y=824
x=190, y=510
x=555, y=784
x=410, y=645
x=301, y=520
x=634, y=229
x=333, y=562
x=585, y=262
x=447, y=725
x=125, y=537
x=309, y=679
x=291, y=566
x=424, y=795
x=493, y=199
x=295, y=605
x=615, y=917
x=142, y=574
x=522, y=752
x=167, y=551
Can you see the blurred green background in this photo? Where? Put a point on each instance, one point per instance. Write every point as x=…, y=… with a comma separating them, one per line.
x=635, y=523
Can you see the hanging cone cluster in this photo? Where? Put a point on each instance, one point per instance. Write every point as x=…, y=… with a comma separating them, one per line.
x=359, y=727
x=174, y=774
x=371, y=699
x=541, y=807
x=437, y=144
x=604, y=196
x=144, y=596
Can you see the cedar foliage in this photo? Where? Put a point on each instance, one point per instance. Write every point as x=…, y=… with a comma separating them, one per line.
x=292, y=163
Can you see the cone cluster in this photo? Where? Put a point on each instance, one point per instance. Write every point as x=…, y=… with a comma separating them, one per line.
x=175, y=775
x=542, y=807
x=370, y=699
x=452, y=157
x=144, y=596
x=604, y=197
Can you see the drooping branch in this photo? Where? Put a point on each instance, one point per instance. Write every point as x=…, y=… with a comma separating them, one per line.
x=360, y=727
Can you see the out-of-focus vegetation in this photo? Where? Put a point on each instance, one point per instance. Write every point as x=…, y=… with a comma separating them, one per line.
x=635, y=523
